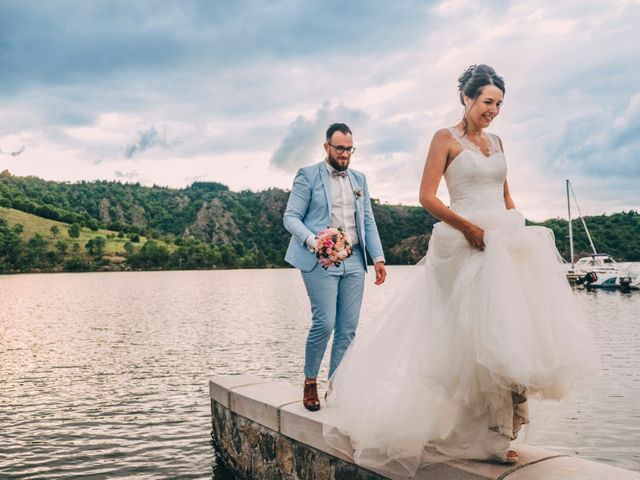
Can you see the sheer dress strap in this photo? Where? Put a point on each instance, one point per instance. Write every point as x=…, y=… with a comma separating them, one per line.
x=466, y=144
x=495, y=145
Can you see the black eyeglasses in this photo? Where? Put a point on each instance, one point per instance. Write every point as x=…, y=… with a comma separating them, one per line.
x=340, y=149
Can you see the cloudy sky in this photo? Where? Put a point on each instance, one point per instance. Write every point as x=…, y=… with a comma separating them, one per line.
x=241, y=92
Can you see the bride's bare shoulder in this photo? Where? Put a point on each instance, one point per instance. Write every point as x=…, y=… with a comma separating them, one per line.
x=445, y=139
x=443, y=134
x=442, y=137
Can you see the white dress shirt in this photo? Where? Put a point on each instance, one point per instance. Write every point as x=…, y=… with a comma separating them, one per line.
x=343, y=209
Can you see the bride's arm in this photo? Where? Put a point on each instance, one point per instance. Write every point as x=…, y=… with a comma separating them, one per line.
x=431, y=176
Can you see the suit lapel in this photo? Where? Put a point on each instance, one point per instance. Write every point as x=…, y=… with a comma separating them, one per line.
x=356, y=187
x=326, y=182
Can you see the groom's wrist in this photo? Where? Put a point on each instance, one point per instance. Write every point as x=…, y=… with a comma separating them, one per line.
x=310, y=242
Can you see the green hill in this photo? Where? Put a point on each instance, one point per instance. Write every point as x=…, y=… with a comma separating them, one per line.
x=41, y=244
x=33, y=224
x=205, y=225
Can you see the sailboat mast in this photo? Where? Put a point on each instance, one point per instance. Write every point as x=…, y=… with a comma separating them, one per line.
x=570, y=227
x=584, y=224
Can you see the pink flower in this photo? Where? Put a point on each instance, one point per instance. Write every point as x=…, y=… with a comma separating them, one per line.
x=332, y=247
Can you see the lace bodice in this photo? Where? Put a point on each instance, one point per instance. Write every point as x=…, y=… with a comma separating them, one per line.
x=475, y=181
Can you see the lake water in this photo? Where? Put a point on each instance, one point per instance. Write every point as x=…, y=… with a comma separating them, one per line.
x=105, y=375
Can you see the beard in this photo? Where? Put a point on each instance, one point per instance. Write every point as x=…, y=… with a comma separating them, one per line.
x=335, y=164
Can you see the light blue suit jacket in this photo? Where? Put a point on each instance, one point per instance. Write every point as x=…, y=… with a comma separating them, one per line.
x=309, y=212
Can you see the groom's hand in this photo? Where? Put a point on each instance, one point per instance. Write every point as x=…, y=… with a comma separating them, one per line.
x=381, y=273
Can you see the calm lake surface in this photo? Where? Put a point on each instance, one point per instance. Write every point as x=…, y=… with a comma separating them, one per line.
x=105, y=375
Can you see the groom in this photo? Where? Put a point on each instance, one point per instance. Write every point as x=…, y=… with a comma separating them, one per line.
x=330, y=194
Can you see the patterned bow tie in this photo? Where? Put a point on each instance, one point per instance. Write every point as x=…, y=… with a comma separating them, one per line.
x=335, y=173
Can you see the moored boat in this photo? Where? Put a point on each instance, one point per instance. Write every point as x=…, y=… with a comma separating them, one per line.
x=598, y=270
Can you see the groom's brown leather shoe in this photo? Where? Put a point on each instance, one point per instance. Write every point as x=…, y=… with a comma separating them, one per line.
x=310, y=399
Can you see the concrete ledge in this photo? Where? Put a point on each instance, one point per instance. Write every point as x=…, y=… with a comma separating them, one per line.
x=262, y=430
x=221, y=386
x=261, y=402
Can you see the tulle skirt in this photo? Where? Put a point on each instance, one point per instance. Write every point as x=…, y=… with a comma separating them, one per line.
x=448, y=364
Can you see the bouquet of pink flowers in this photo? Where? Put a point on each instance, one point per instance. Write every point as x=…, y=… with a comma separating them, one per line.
x=332, y=247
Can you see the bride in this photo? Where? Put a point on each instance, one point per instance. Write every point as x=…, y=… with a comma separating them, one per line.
x=484, y=321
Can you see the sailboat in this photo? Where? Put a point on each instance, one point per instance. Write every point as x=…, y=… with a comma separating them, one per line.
x=598, y=270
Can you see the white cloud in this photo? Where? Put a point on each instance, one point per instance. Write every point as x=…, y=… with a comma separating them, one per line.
x=237, y=94
x=300, y=146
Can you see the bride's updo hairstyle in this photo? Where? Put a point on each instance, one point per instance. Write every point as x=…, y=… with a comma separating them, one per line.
x=475, y=78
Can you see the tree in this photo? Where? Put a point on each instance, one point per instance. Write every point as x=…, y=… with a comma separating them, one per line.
x=228, y=256
x=151, y=255
x=74, y=230
x=76, y=264
x=93, y=225
x=61, y=247
x=128, y=247
x=11, y=246
x=96, y=245
x=55, y=230
x=36, y=250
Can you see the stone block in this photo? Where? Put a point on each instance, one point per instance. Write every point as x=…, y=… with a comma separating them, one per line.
x=222, y=427
x=284, y=455
x=322, y=467
x=220, y=386
x=272, y=473
x=268, y=446
x=346, y=471
x=304, y=460
x=261, y=402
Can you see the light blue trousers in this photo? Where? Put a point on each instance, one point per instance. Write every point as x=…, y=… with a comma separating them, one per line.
x=336, y=298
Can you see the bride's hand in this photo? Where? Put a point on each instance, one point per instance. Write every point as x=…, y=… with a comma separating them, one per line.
x=474, y=235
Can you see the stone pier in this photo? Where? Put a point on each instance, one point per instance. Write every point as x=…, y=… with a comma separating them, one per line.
x=262, y=431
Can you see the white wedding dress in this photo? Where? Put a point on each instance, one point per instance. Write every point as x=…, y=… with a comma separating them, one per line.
x=448, y=364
